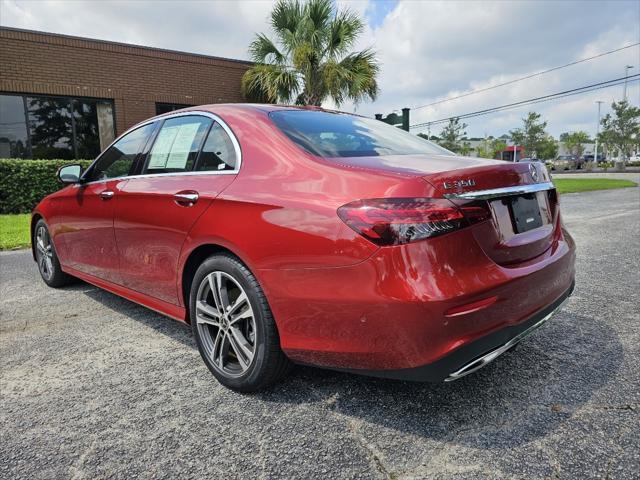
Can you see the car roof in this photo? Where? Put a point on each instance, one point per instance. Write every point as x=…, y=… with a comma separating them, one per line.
x=218, y=108
x=262, y=107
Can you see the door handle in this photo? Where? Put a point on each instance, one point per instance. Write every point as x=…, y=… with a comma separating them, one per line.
x=107, y=194
x=186, y=199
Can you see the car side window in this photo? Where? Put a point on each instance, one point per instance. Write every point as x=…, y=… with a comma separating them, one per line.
x=218, y=153
x=177, y=144
x=117, y=160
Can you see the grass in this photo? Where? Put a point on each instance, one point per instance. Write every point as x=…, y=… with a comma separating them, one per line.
x=14, y=231
x=573, y=185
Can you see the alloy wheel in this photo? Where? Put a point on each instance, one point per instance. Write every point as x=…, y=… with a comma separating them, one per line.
x=226, y=324
x=44, y=253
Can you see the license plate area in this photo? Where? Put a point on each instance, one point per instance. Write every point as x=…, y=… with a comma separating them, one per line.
x=525, y=213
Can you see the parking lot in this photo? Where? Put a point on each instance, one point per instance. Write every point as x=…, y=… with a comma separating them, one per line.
x=94, y=386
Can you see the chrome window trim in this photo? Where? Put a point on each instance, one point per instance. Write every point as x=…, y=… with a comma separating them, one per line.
x=502, y=192
x=190, y=113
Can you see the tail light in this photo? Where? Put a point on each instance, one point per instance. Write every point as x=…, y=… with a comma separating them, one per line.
x=554, y=201
x=396, y=221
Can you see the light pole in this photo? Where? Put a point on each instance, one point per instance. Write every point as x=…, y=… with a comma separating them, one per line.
x=595, y=154
x=626, y=74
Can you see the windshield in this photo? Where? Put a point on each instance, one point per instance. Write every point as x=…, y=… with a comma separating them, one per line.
x=327, y=134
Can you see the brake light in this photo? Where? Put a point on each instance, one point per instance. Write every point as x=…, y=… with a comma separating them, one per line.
x=396, y=221
x=554, y=200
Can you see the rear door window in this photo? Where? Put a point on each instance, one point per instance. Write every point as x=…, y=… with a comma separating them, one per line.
x=176, y=146
x=218, y=153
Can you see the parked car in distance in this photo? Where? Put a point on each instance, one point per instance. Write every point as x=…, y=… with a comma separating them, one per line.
x=529, y=159
x=566, y=162
x=589, y=158
x=297, y=235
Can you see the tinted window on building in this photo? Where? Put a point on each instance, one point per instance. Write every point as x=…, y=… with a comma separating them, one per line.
x=85, y=116
x=169, y=107
x=50, y=127
x=94, y=126
x=13, y=127
x=54, y=127
x=218, y=152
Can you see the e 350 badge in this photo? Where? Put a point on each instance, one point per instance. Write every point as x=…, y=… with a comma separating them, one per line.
x=458, y=183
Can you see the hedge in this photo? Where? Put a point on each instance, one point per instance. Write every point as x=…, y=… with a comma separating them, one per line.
x=23, y=183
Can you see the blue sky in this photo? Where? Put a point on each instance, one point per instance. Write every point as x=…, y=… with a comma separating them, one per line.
x=378, y=11
x=428, y=50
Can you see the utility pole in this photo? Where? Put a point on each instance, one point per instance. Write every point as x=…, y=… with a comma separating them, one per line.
x=595, y=155
x=626, y=74
x=405, y=119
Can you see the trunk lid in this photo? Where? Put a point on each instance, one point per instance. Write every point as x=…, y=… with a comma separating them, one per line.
x=520, y=198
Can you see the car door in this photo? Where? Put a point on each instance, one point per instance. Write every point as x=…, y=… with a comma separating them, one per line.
x=193, y=158
x=86, y=230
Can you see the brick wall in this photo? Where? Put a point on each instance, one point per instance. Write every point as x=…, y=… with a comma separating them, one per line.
x=134, y=77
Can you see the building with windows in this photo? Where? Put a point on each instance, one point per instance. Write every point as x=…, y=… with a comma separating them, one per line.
x=69, y=97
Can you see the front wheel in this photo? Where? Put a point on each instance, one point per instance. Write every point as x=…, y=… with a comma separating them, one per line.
x=47, y=259
x=233, y=326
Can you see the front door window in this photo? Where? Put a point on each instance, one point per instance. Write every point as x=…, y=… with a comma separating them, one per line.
x=118, y=160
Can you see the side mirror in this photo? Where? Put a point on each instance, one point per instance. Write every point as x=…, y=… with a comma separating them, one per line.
x=69, y=174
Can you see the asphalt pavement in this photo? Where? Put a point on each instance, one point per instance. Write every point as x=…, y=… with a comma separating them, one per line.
x=93, y=386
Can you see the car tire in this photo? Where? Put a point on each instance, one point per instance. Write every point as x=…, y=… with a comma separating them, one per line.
x=47, y=258
x=233, y=326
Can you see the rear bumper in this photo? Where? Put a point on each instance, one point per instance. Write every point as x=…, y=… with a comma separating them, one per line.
x=393, y=311
x=473, y=356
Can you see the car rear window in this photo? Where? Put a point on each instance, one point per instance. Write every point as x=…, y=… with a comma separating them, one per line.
x=328, y=134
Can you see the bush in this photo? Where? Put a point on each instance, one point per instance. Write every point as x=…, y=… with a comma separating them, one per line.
x=23, y=183
x=606, y=165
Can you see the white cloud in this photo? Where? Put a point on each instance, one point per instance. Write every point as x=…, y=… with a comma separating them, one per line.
x=222, y=28
x=428, y=49
x=433, y=50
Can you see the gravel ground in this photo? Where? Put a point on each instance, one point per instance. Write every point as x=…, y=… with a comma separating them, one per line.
x=94, y=386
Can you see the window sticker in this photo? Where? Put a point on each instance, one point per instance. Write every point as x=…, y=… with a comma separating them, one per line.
x=172, y=147
x=162, y=147
x=182, y=145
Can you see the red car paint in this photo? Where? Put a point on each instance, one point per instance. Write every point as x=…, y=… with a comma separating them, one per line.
x=339, y=300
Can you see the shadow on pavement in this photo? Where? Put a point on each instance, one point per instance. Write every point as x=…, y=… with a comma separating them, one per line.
x=524, y=395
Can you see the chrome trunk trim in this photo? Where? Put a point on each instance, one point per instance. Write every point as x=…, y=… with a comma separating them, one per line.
x=487, y=358
x=502, y=192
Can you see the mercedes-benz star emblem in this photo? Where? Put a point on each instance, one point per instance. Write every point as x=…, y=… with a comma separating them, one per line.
x=533, y=171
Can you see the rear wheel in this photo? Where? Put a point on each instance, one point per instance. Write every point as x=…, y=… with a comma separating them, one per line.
x=233, y=326
x=47, y=259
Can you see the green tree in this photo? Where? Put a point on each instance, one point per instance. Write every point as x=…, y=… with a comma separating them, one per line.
x=452, y=135
x=465, y=149
x=574, y=140
x=548, y=149
x=490, y=148
x=622, y=130
x=310, y=59
x=532, y=135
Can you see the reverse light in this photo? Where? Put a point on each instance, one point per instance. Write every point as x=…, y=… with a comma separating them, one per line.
x=396, y=221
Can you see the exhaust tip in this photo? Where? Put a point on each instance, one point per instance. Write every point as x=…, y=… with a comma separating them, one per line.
x=478, y=363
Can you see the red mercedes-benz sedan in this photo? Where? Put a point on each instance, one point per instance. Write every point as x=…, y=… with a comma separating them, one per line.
x=296, y=235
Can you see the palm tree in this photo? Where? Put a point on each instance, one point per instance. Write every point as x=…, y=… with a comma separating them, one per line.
x=310, y=60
